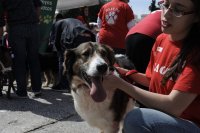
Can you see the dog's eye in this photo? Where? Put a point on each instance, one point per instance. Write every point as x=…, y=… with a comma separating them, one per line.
x=86, y=53
x=103, y=53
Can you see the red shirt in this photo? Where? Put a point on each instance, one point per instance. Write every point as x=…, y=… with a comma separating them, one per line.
x=115, y=16
x=163, y=53
x=150, y=25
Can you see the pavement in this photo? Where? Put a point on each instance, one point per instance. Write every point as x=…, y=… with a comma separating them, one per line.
x=53, y=112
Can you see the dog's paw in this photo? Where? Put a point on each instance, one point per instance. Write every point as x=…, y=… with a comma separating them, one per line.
x=46, y=84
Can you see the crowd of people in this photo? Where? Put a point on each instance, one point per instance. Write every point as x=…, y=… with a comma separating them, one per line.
x=164, y=47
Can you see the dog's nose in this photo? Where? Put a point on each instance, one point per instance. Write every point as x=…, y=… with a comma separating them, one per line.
x=102, y=68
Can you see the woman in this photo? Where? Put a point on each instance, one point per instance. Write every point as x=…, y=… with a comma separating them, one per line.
x=114, y=20
x=173, y=75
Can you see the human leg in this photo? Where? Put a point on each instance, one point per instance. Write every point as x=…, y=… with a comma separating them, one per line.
x=18, y=45
x=62, y=80
x=143, y=120
x=33, y=57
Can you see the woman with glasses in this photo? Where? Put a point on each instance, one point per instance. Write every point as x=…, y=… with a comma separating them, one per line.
x=172, y=75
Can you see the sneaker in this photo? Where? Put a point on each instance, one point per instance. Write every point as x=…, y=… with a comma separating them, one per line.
x=35, y=94
x=15, y=95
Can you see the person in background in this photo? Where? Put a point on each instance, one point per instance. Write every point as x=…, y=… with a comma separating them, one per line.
x=22, y=18
x=140, y=39
x=83, y=17
x=172, y=75
x=115, y=18
x=51, y=47
x=69, y=33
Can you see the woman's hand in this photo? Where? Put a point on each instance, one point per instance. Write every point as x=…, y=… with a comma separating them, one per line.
x=111, y=82
x=122, y=71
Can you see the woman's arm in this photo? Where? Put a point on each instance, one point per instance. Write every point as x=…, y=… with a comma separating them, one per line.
x=174, y=103
x=99, y=22
x=139, y=78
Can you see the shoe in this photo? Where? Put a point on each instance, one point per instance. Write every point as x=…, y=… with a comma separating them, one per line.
x=15, y=95
x=61, y=89
x=35, y=94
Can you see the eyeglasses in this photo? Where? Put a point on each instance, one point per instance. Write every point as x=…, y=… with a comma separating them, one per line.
x=175, y=12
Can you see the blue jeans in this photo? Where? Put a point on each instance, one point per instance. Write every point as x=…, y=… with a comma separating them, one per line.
x=144, y=120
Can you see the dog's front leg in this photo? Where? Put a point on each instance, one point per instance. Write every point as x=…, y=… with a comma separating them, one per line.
x=47, y=77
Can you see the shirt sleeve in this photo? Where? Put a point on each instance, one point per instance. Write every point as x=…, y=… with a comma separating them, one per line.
x=188, y=80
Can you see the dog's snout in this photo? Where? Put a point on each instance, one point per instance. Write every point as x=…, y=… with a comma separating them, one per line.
x=102, y=68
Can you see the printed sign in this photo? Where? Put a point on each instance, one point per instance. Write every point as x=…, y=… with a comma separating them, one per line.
x=46, y=19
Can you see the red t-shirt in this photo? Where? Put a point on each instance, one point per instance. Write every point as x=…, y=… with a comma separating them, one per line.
x=163, y=53
x=150, y=25
x=115, y=16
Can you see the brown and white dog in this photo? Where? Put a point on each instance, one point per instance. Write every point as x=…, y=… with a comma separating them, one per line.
x=85, y=68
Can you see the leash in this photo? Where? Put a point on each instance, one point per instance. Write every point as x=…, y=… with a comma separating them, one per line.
x=5, y=69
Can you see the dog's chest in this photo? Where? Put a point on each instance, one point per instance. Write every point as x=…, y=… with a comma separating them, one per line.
x=84, y=101
x=90, y=110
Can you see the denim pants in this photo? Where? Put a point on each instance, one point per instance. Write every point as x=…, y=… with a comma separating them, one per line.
x=144, y=120
x=24, y=41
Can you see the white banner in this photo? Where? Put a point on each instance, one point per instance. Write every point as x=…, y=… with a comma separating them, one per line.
x=70, y=4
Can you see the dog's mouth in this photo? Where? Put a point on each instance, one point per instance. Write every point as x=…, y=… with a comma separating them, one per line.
x=97, y=91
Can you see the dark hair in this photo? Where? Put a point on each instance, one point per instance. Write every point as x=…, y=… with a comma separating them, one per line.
x=85, y=17
x=59, y=16
x=190, y=50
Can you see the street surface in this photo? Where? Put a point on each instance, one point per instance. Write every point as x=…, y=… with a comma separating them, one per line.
x=53, y=112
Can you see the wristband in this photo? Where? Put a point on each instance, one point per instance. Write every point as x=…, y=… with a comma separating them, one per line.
x=130, y=72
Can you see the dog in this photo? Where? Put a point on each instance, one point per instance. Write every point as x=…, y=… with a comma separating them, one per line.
x=6, y=73
x=49, y=66
x=85, y=68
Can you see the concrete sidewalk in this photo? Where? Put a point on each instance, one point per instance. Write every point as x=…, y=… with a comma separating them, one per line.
x=53, y=112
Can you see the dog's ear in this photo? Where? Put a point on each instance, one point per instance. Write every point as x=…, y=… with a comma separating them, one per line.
x=69, y=59
x=110, y=53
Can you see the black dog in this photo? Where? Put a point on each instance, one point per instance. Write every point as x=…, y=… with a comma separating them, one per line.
x=6, y=73
x=49, y=65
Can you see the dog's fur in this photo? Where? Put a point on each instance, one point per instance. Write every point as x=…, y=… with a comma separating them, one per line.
x=49, y=66
x=85, y=67
x=6, y=73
